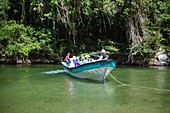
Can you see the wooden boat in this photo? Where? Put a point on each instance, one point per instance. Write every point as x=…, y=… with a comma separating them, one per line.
x=97, y=70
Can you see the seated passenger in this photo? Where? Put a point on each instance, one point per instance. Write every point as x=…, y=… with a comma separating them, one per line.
x=96, y=58
x=103, y=55
x=75, y=61
x=82, y=61
x=92, y=60
x=78, y=60
x=86, y=59
x=71, y=64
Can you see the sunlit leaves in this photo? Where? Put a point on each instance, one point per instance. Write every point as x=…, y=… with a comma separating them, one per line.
x=111, y=48
x=20, y=40
x=36, y=4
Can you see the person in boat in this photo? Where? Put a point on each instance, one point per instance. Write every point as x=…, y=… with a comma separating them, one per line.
x=75, y=61
x=78, y=60
x=103, y=55
x=96, y=58
x=82, y=61
x=71, y=64
x=93, y=60
x=86, y=59
x=67, y=58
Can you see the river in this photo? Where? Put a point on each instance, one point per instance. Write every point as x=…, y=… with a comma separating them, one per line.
x=48, y=89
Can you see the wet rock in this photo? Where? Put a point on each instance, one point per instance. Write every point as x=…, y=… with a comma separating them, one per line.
x=158, y=63
x=19, y=62
x=27, y=61
x=160, y=51
x=160, y=58
x=42, y=61
x=163, y=57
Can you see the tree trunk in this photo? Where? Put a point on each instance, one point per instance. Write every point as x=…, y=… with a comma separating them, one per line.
x=135, y=32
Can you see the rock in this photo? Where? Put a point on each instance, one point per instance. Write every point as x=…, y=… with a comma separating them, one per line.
x=47, y=61
x=42, y=61
x=27, y=61
x=163, y=57
x=160, y=58
x=168, y=54
x=19, y=61
x=157, y=63
x=160, y=51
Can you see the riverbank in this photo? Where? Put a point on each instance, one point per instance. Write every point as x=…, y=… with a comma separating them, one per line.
x=121, y=59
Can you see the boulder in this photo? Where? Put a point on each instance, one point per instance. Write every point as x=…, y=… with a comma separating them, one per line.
x=19, y=62
x=163, y=57
x=160, y=58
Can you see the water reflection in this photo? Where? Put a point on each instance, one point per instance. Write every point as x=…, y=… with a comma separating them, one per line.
x=159, y=67
x=109, y=89
x=160, y=75
x=160, y=78
x=69, y=88
x=77, y=88
x=39, y=92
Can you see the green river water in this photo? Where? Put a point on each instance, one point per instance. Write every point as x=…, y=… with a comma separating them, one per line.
x=47, y=89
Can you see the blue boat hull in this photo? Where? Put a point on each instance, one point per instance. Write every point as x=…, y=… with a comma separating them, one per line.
x=95, y=70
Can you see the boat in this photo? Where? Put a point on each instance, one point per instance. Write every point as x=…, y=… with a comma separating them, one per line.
x=97, y=70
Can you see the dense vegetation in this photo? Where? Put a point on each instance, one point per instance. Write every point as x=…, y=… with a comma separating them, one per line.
x=51, y=28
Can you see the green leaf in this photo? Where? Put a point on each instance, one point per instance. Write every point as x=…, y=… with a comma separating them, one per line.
x=41, y=4
x=35, y=9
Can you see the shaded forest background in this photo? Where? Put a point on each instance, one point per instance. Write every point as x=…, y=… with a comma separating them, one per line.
x=131, y=31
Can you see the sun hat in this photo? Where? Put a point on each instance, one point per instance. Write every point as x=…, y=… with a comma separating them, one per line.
x=74, y=57
x=103, y=51
x=87, y=56
x=82, y=58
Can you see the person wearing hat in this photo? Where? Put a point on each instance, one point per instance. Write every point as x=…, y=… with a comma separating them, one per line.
x=103, y=55
x=82, y=61
x=75, y=61
x=86, y=59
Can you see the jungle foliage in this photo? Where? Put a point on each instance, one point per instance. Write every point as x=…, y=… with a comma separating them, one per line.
x=55, y=27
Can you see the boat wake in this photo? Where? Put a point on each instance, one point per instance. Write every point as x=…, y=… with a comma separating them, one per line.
x=54, y=72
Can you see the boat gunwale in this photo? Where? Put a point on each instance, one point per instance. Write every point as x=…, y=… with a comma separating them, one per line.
x=89, y=63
